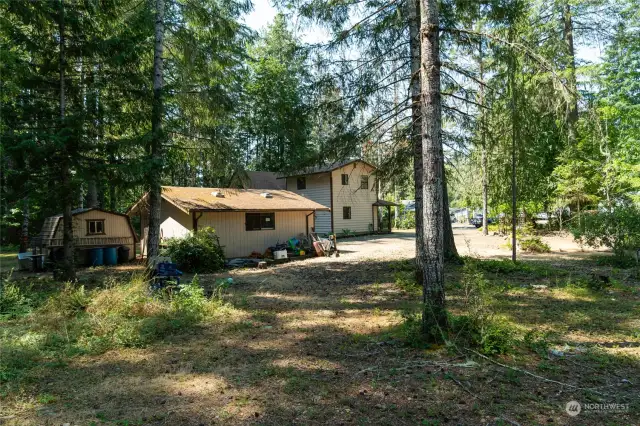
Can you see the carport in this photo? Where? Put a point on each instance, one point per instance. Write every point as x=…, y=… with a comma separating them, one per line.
x=388, y=205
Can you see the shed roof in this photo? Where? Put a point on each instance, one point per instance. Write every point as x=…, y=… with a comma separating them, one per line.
x=326, y=168
x=190, y=199
x=383, y=203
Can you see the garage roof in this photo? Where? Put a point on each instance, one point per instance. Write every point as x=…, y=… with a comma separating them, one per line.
x=194, y=199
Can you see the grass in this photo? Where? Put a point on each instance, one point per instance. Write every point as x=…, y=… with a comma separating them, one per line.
x=324, y=342
x=8, y=258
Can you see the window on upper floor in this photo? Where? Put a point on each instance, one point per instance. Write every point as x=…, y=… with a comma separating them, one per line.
x=346, y=212
x=95, y=227
x=302, y=183
x=345, y=179
x=364, y=182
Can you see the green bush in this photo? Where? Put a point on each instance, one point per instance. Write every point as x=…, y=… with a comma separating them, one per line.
x=621, y=261
x=480, y=326
x=407, y=220
x=198, y=252
x=13, y=302
x=618, y=230
x=534, y=245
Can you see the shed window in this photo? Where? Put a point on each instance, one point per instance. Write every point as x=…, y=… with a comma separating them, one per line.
x=345, y=179
x=95, y=227
x=259, y=221
x=302, y=183
x=346, y=212
x=364, y=182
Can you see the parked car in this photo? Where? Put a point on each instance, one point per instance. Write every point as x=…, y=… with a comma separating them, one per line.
x=477, y=221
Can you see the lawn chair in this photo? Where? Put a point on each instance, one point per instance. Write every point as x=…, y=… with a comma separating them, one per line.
x=164, y=272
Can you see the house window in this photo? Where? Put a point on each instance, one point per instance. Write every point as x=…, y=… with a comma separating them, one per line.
x=345, y=179
x=364, y=182
x=95, y=227
x=346, y=212
x=302, y=183
x=260, y=221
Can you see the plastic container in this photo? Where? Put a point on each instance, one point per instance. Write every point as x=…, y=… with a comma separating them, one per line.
x=110, y=255
x=123, y=254
x=280, y=254
x=96, y=257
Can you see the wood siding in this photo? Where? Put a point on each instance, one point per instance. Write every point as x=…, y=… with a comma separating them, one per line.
x=318, y=190
x=116, y=231
x=360, y=200
x=237, y=242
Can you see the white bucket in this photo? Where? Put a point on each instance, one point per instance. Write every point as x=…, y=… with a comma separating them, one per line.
x=280, y=254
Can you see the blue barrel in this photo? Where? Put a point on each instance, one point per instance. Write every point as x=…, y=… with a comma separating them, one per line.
x=110, y=255
x=95, y=256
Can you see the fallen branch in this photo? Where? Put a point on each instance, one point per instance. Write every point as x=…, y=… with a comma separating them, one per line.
x=528, y=373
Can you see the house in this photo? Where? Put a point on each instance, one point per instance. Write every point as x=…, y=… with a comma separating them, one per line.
x=349, y=188
x=92, y=228
x=256, y=180
x=245, y=220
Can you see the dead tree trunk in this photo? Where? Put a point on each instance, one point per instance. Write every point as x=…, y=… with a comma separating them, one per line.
x=416, y=127
x=68, y=271
x=434, y=318
x=155, y=151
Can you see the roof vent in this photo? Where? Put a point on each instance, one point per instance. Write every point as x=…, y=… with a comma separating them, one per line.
x=266, y=195
x=217, y=194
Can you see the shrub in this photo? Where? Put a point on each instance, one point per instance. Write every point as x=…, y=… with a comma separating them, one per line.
x=13, y=302
x=74, y=321
x=534, y=245
x=618, y=230
x=480, y=325
x=198, y=252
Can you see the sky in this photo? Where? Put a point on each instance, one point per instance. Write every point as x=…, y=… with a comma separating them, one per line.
x=263, y=14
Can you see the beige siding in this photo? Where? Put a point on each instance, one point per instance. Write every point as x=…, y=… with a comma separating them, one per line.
x=318, y=190
x=238, y=242
x=174, y=223
x=115, y=226
x=360, y=200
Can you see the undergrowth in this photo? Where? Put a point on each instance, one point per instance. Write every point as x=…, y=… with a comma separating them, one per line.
x=72, y=320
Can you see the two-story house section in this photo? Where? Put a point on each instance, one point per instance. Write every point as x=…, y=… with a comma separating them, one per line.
x=348, y=187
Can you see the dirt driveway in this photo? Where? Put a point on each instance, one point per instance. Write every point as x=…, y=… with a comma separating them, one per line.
x=469, y=242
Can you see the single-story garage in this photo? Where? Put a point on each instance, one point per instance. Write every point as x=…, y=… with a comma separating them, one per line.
x=245, y=220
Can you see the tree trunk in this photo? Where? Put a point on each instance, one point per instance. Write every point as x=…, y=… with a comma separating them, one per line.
x=155, y=151
x=416, y=127
x=92, y=194
x=483, y=143
x=514, y=136
x=68, y=271
x=24, y=233
x=449, y=243
x=434, y=318
x=572, y=108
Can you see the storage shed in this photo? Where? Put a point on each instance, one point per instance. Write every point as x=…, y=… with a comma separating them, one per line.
x=92, y=228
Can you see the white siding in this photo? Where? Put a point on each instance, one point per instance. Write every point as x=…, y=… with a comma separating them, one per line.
x=238, y=242
x=360, y=200
x=318, y=190
x=174, y=223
